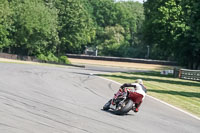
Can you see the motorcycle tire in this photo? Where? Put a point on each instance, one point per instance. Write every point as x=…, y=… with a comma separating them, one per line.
x=107, y=105
x=125, y=109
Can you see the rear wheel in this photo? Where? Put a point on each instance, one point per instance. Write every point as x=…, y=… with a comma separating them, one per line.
x=124, y=108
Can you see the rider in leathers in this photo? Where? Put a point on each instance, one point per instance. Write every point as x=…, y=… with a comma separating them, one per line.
x=136, y=93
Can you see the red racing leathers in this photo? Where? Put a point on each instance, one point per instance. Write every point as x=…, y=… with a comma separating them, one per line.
x=136, y=92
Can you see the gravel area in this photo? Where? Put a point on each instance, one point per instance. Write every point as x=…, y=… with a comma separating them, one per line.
x=121, y=64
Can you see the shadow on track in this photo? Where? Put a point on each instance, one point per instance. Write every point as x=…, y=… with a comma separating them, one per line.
x=111, y=112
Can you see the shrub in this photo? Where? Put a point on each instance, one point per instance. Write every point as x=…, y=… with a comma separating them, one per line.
x=64, y=60
x=48, y=58
x=42, y=57
x=52, y=58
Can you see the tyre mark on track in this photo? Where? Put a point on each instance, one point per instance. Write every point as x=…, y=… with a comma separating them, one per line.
x=68, y=102
x=71, y=103
x=90, y=90
x=48, y=118
x=67, y=111
x=51, y=97
x=40, y=123
x=2, y=124
x=110, y=86
x=57, y=99
x=82, y=80
x=9, y=126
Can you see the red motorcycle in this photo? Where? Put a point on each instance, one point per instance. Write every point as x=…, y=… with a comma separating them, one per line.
x=120, y=104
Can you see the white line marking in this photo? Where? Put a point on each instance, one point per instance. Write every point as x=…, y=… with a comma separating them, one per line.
x=175, y=107
x=159, y=101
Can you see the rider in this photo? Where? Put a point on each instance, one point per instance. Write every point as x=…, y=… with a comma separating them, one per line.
x=137, y=94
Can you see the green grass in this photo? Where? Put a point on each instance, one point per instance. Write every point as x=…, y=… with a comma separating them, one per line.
x=183, y=94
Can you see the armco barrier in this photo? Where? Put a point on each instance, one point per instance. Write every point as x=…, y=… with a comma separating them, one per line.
x=189, y=74
x=122, y=59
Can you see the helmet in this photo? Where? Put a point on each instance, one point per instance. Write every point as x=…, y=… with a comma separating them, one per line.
x=139, y=81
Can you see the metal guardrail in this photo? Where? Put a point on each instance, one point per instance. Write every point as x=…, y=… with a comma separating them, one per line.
x=189, y=74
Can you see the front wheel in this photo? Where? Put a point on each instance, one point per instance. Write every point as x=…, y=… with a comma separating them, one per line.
x=107, y=105
x=124, y=108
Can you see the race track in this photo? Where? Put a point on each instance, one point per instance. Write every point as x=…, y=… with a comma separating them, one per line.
x=50, y=99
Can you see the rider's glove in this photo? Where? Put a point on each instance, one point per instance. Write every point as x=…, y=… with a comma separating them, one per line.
x=121, y=88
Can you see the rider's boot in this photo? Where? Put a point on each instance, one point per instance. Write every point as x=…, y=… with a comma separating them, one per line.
x=136, y=110
x=137, y=105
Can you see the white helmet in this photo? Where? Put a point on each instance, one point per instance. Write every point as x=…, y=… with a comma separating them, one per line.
x=139, y=81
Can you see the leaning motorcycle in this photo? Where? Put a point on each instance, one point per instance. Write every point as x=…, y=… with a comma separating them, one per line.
x=120, y=104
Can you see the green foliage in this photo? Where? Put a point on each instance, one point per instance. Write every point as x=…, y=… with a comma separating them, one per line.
x=105, y=12
x=113, y=36
x=64, y=60
x=76, y=26
x=51, y=58
x=131, y=17
x=190, y=41
x=45, y=28
x=48, y=58
x=35, y=27
x=118, y=23
x=5, y=23
x=42, y=57
x=171, y=28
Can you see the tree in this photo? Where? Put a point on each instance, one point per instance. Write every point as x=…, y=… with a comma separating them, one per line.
x=172, y=30
x=5, y=24
x=75, y=26
x=163, y=26
x=131, y=18
x=35, y=28
x=105, y=12
x=109, y=14
x=189, y=44
x=59, y=26
x=113, y=36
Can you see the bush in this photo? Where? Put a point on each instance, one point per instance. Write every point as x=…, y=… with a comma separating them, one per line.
x=64, y=60
x=42, y=57
x=48, y=58
x=52, y=58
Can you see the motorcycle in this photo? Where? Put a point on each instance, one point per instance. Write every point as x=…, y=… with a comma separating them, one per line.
x=120, y=104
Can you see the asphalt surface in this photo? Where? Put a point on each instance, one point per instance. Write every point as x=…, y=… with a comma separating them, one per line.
x=50, y=99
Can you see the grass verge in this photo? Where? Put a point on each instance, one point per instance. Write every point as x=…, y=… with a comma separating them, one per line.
x=183, y=94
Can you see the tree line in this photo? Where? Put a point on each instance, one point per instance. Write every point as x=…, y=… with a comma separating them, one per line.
x=50, y=28
x=156, y=29
x=172, y=29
